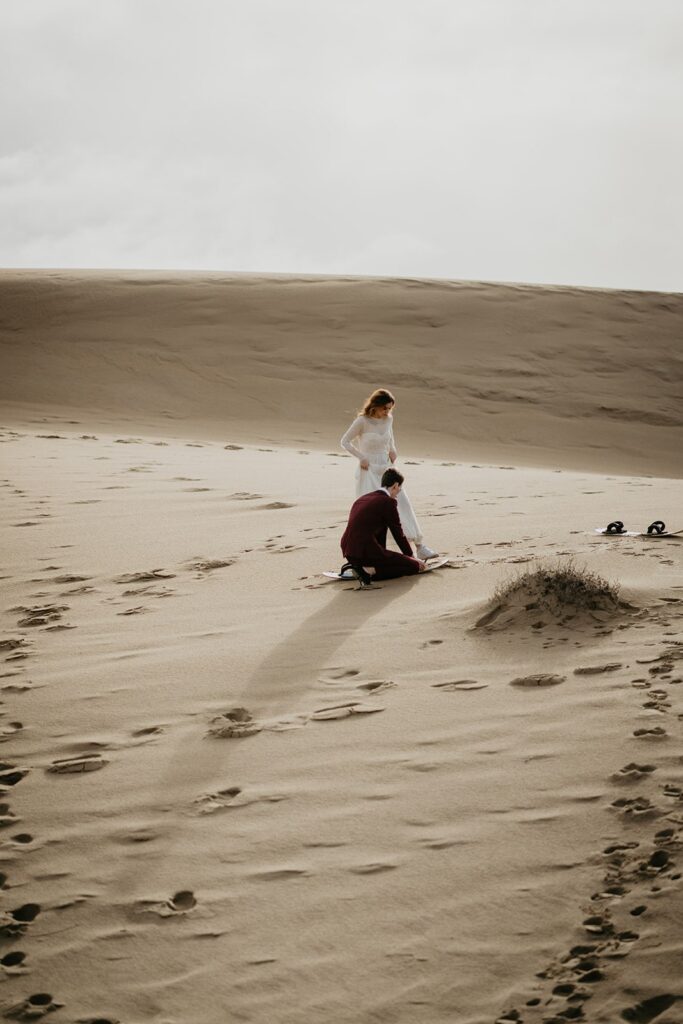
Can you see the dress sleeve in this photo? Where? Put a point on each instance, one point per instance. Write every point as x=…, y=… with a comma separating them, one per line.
x=392, y=444
x=355, y=430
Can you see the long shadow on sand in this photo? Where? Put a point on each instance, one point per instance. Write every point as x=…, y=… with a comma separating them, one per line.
x=277, y=687
x=287, y=673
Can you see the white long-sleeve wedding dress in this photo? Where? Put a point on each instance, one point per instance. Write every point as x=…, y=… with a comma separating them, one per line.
x=374, y=441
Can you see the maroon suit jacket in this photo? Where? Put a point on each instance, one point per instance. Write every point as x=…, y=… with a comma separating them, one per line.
x=364, y=539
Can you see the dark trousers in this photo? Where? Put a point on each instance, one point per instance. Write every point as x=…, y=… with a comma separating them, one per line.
x=388, y=565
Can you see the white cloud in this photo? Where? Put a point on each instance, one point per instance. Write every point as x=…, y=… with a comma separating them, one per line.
x=497, y=139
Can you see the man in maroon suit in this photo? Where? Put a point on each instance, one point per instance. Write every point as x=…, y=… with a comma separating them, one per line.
x=364, y=542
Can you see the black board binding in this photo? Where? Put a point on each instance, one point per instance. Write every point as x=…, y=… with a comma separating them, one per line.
x=357, y=572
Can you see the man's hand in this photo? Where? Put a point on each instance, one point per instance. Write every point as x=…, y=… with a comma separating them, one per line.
x=423, y=565
x=364, y=464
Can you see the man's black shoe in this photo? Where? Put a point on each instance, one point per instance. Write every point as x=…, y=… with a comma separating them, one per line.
x=363, y=577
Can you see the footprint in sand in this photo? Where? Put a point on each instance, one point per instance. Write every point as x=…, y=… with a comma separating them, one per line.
x=236, y=723
x=105, y=1020
x=372, y=868
x=13, y=644
x=181, y=903
x=430, y=643
x=633, y=772
x=640, y=807
x=7, y=818
x=18, y=686
x=145, y=576
x=141, y=835
x=149, y=730
x=15, y=959
x=538, y=679
x=279, y=874
x=637, y=911
x=233, y=797
x=209, y=803
x=233, y=447
x=10, y=775
x=594, y=670
x=204, y=565
x=15, y=922
x=344, y=711
x=648, y=1009
x=619, y=848
x=659, y=860
x=10, y=730
x=22, y=838
x=654, y=733
x=149, y=591
x=40, y=615
x=276, y=505
x=596, y=924
x=183, y=900
x=77, y=765
x=376, y=685
x=138, y=610
x=33, y=1007
x=341, y=673
x=462, y=684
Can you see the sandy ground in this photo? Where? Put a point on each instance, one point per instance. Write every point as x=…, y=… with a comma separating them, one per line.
x=444, y=846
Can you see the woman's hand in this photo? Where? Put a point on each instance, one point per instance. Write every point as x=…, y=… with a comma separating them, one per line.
x=364, y=464
x=392, y=456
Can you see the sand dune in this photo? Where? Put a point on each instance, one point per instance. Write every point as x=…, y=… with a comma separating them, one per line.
x=234, y=790
x=541, y=376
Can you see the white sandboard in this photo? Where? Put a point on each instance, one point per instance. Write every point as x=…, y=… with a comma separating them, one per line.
x=637, y=533
x=434, y=563
x=611, y=533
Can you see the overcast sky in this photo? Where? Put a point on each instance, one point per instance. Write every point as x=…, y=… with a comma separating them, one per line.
x=509, y=140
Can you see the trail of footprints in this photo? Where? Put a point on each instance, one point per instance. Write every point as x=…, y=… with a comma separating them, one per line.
x=15, y=921
x=239, y=723
x=49, y=616
x=636, y=875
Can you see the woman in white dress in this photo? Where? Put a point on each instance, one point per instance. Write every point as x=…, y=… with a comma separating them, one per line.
x=370, y=439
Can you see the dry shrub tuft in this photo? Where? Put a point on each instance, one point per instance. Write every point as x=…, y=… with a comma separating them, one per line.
x=560, y=587
x=560, y=592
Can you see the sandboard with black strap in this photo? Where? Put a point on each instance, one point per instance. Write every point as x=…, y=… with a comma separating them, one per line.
x=654, y=530
x=349, y=574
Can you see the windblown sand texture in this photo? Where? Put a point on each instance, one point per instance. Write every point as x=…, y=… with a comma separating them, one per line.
x=235, y=791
